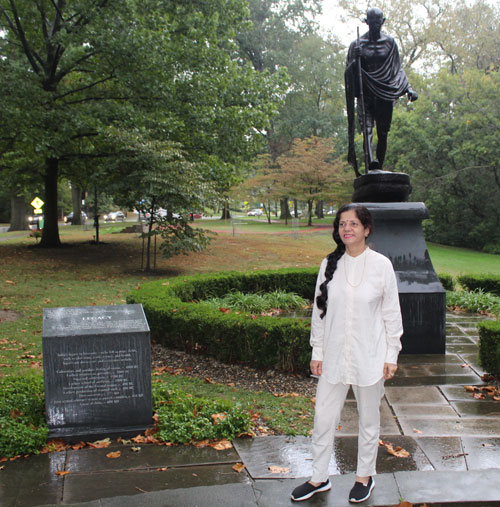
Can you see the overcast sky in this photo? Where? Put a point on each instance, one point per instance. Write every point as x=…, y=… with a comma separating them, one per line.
x=344, y=30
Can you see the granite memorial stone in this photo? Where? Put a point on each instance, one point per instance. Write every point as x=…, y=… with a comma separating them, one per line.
x=97, y=371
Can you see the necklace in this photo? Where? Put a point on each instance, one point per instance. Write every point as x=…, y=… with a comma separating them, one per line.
x=362, y=273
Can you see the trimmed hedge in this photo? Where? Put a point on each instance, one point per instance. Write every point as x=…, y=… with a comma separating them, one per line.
x=487, y=283
x=489, y=346
x=177, y=321
x=447, y=281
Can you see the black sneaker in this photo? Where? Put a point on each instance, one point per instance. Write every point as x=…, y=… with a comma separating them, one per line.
x=307, y=490
x=360, y=492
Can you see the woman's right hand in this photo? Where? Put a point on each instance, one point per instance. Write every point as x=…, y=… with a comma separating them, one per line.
x=316, y=368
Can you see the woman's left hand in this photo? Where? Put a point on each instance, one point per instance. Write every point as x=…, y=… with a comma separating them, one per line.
x=389, y=370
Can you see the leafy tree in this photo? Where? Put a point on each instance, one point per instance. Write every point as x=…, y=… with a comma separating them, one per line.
x=450, y=147
x=86, y=69
x=311, y=172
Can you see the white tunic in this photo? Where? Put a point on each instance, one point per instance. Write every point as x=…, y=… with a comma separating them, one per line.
x=362, y=328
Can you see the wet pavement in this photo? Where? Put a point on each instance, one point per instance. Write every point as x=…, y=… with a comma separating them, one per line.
x=453, y=441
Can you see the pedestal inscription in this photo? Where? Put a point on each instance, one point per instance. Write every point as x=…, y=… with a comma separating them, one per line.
x=97, y=371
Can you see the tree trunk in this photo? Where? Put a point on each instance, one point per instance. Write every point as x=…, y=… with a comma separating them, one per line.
x=309, y=212
x=295, y=209
x=285, y=210
x=267, y=210
x=226, y=215
x=96, y=215
x=17, y=213
x=50, y=232
x=150, y=230
x=76, y=198
x=319, y=209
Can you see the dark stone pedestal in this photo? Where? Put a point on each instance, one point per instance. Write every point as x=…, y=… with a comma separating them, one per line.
x=97, y=371
x=398, y=235
x=381, y=186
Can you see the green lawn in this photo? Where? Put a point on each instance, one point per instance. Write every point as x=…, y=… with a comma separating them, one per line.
x=456, y=261
x=84, y=274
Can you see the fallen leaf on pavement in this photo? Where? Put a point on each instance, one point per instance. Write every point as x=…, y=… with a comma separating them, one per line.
x=76, y=447
x=100, y=444
x=417, y=431
x=113, y=455
x=61, y=472
x=135, y=449
x=399, y=452
x=222, y=445
x=278, y=470
x=471, y=389
x=239, y=467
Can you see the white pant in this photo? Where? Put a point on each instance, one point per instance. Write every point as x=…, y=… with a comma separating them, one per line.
x=330, y=400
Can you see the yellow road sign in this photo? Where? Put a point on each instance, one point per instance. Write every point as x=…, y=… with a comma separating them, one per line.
x=37, y=203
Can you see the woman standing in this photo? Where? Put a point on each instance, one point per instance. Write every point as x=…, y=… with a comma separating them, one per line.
x=356, y=333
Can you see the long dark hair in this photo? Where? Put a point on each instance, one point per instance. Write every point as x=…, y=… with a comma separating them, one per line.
x=365, y=217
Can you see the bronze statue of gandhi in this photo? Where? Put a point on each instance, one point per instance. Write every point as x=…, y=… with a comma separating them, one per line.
x=375, y=78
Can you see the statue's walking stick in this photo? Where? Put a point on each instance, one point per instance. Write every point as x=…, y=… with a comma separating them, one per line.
x=366, y=141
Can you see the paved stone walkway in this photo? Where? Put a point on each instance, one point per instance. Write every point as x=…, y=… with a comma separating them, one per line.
x=453, y=441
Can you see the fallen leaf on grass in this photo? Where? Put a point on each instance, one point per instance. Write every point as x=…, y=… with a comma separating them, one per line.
x=11, y=282
x=61, y=472
x=239, y=467
x=113, y=455
x=278, y=470
x=217, y=418
x=209, y=381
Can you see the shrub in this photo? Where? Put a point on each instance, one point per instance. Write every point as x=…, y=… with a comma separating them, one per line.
x=474, y=301
x=487, y=283
x=489, y=346
x=183, y=418
x=447, y=281
x=492, y=248
x=22, y=418
x=258, y=303
x=177, y=321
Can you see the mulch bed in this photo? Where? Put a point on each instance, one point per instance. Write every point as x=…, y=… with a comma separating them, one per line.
x=239, y=376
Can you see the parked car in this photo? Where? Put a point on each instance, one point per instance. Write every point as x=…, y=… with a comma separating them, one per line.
x=195, y=215
x=35, y=221
x=114, y=216
x=255, y=213
x=68, y=219
x=159, y=214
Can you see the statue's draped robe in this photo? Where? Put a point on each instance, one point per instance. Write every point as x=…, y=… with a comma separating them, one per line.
x=388, y=82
